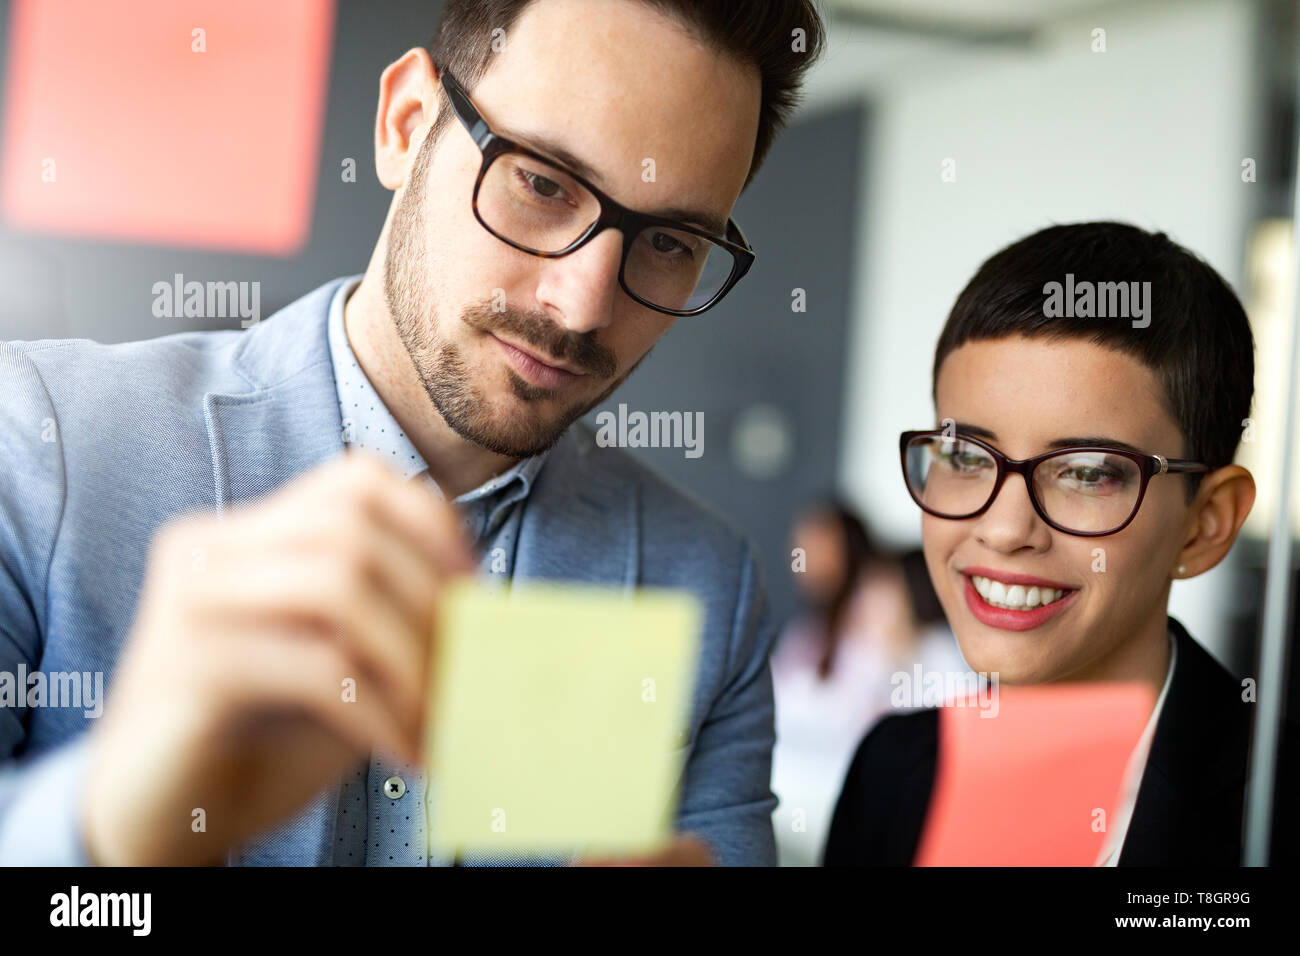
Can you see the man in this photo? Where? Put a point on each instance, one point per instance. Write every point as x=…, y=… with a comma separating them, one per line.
x=489, y=320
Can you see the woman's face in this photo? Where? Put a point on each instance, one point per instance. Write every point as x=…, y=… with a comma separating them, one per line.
x=1025, y=397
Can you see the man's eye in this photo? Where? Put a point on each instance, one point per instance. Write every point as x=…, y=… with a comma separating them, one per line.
x=546, y=188
x=667, y=245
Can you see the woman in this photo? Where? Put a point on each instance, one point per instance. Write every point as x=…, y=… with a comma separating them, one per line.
x=1081, y=465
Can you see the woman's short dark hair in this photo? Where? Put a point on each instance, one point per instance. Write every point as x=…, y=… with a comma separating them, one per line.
x=1195, y=335
x=762, y=34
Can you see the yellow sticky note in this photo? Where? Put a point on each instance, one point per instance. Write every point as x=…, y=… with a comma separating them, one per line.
x=558, y=718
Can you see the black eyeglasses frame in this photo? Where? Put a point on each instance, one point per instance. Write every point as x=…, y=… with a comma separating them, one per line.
x=628, y=221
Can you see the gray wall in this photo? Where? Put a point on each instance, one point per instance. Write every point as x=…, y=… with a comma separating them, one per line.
x=753, y=349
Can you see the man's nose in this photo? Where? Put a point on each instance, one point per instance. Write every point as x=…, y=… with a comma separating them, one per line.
x=582, y=287
x=1011, y=523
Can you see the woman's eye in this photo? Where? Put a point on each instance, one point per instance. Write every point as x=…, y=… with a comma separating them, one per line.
x=964, y=460
x=1089, y=475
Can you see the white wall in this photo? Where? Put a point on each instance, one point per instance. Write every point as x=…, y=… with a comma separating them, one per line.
x=1152, y=131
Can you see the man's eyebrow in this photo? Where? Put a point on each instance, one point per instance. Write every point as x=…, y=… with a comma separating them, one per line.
x=549, y=146
x=1074, y=441
x=710, y=222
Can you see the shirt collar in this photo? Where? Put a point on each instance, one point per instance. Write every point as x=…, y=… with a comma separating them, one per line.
x=1136, y=769
x=1150, y=730
x=368, y=424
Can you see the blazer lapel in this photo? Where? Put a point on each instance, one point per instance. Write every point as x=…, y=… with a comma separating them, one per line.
x=1188, y=807
x=579, y=517
x=288, y=420
x=262, y=440
x=285, y=424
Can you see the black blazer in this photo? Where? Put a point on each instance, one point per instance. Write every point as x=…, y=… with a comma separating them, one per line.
x=1189, y=805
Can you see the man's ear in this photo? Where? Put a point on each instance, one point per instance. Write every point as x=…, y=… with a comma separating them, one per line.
x=408, y=100
x=1222, y=503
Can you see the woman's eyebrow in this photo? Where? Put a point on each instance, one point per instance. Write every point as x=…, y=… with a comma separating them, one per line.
x=1093, y=440
x=1069, y=442
x=974, y=430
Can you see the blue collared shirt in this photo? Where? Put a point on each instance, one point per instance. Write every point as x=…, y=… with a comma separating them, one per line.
x=381, y=819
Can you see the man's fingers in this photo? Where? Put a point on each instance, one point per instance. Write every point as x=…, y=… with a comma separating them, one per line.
x=322, y=597
x=402, y=570
x=411, y=510
x=294, y=673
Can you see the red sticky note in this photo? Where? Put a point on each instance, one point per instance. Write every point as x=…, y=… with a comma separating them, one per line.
x=178, y=122
x=1038, y=782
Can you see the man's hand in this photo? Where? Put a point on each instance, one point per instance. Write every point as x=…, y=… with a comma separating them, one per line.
x=684, y=850
x=271, y=650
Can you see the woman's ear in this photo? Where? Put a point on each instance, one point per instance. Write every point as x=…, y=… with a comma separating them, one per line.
x=1217, y=514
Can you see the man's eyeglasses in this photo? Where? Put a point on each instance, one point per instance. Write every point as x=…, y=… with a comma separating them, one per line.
x=1089, y=491
x=536, y=206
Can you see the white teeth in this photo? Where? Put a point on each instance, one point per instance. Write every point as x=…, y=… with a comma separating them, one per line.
x=1015, y=596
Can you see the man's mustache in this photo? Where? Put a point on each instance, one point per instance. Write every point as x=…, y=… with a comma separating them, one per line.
x=580, y=350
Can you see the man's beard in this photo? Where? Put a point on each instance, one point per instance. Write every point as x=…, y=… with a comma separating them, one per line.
x=448, y=379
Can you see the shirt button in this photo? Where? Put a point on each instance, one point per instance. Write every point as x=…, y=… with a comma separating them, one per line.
x=394, y=787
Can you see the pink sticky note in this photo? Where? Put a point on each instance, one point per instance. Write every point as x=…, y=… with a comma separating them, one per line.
x=181, y=122
x=1037, y=784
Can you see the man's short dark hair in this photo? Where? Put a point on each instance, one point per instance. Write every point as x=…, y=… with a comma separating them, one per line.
x=761, y=34
x=1198, y=340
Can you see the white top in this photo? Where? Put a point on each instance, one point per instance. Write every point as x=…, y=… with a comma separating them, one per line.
x=1110, y=850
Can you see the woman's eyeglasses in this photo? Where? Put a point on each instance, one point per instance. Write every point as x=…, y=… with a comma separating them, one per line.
x=1089, y=491
x=529, y=202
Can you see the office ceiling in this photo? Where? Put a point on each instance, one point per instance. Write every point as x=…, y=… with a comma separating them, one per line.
x=982, y=14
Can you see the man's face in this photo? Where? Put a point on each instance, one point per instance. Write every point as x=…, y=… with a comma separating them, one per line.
x=617, y=85
x=1022, y=395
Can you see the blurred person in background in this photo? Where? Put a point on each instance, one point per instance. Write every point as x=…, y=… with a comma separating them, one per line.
x=869, y=614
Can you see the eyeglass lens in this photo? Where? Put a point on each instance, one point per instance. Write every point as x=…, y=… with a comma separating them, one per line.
x=1091, y=492
x=540, y=207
